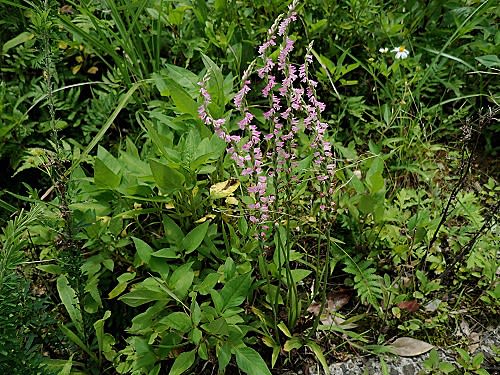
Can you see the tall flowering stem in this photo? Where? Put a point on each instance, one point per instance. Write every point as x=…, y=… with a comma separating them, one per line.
x=267, y=155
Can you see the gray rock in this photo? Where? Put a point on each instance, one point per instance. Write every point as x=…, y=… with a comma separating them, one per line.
x=409, y=366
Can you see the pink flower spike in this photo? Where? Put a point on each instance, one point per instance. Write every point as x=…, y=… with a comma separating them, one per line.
x=238, y=99
x=246, y=120
x=252, y=189
x=263, y=48
x=269, y=136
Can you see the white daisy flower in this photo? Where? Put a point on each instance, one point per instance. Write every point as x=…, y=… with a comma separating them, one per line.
x=401, y=52
x=383, y=50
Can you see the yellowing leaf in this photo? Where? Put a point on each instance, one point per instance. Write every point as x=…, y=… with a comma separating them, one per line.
x=93, y=70
x=224, y=189
x=79, y=59
x=408, y=347
x=231, y=201
x=205, y=218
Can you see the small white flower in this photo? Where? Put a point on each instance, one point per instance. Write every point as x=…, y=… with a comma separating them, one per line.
x=401, y=52
x=383, y=50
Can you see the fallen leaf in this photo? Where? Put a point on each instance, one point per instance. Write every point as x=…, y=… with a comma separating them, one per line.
x=410, y=306
x=408, y=347
x=314, y=308
x=338, y=299
x=334, y=302
x=474, y=341
x=433, y=305
x=66, y=9
x=464, y=329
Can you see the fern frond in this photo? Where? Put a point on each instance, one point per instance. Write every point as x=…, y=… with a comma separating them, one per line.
x=14, y=240
x=367, y=283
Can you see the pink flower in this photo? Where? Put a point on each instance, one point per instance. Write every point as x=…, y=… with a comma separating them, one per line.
x=285, y=23
x=238, y=99
x=270, y=84
x=246, y=120
x=263, y=48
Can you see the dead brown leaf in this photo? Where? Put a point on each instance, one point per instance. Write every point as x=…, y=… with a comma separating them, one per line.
x=409, y=347
x=410, y=306
x=335, y=301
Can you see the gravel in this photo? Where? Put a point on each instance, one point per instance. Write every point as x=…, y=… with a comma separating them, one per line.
x=372, y=365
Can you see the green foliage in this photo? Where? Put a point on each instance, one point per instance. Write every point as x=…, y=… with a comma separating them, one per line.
x=21, y=314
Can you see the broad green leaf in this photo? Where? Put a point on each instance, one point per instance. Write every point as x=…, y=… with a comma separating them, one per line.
x=177, y=320
x=104, y=176
x=250, y=362
x=195, y=312
x=143, y=322
x=168, y=121
x=283, y=328
x=446, y=367
x=173, y=233
x=297, y=274
x=293, y=343
x=235, y=291
x=155, y=370
x=195, y=237
x=366, y=204
x=91, y=287
x=217, y=79
x=106, y=169
x=182, y=363
x=20, y=39
x=77, y=340
x=196, y=335
x=143, y=249
x=319, y=355
x=181, y=280
x=217, y=300
x=71, y=303
x=183, y=77
x=208, y=283
x=167, y=253
x=203, y=351
x=217, y=327
x=66, y=370
x=109, y=160
x=146, y=291
x=99, y=330
x=189, y=144
x=374, y=178
x=168, y=179
x=223, y=353
x=182, y=100
x=123, y=280
x=160, y=84
x=489, y=61
x=51, y=268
